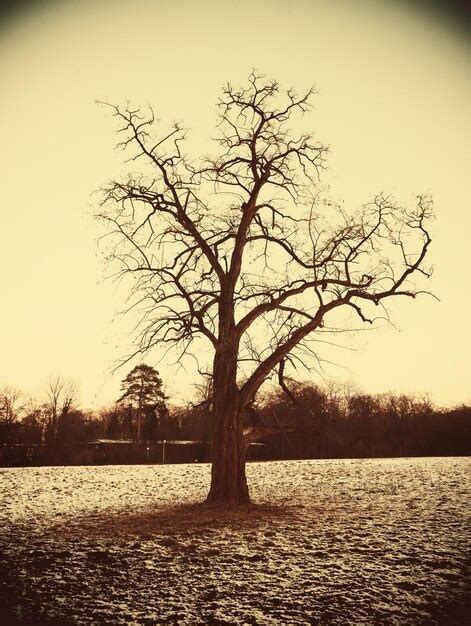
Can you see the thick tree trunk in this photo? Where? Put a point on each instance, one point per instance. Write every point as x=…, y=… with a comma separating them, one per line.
x=228, y=479
x=228, y=446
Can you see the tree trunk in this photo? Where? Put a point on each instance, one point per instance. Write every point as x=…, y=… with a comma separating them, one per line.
x=228, y=445
x=138, y=426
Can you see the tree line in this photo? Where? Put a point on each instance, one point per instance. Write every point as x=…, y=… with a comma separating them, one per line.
x=302, y=421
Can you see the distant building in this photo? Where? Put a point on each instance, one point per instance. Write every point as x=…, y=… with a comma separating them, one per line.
x=114, y=452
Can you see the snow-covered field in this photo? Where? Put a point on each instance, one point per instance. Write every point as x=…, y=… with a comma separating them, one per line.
x=381, y=541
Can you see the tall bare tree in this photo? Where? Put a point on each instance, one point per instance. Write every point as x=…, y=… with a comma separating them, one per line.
x=244, y=250
x=61, y=397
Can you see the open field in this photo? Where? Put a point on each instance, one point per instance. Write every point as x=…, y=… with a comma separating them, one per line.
x=332, y=542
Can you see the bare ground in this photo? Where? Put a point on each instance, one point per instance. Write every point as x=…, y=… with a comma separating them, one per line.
x=327, y=542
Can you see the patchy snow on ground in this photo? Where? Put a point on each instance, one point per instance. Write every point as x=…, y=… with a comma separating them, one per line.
x=380, y=541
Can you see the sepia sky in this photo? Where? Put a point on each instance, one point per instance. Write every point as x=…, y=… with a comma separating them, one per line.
x=393, y=103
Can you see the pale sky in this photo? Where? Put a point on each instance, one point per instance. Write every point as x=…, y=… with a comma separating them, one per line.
x=393, y=104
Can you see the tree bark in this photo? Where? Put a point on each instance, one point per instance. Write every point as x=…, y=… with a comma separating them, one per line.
x=228, y=445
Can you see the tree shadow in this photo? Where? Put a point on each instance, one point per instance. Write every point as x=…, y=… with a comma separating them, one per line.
x=165, y=520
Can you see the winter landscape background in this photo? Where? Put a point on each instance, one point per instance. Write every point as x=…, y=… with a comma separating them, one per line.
x=329, y=538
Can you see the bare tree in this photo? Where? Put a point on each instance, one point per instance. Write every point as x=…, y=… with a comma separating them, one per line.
x=12, y=405
x=61, y=397
x=245, y=251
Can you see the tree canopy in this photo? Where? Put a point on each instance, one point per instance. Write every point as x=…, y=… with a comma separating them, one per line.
x=143, y=393
x=142, y=387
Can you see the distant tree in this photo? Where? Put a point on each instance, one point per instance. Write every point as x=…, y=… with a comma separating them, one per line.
x=114, y=422
x=12, y=404
x=12, y=407
x=193, y=422
x=197, y=417
x=242, y=249
x=61, y=398
x=143, y=393
x=363, y=412
x=34, y=423
x=295, y=422
x=452, y=432
x=75, y=426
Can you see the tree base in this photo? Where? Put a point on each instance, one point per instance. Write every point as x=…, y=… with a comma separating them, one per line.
x=226, y=491
x=229, y=500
